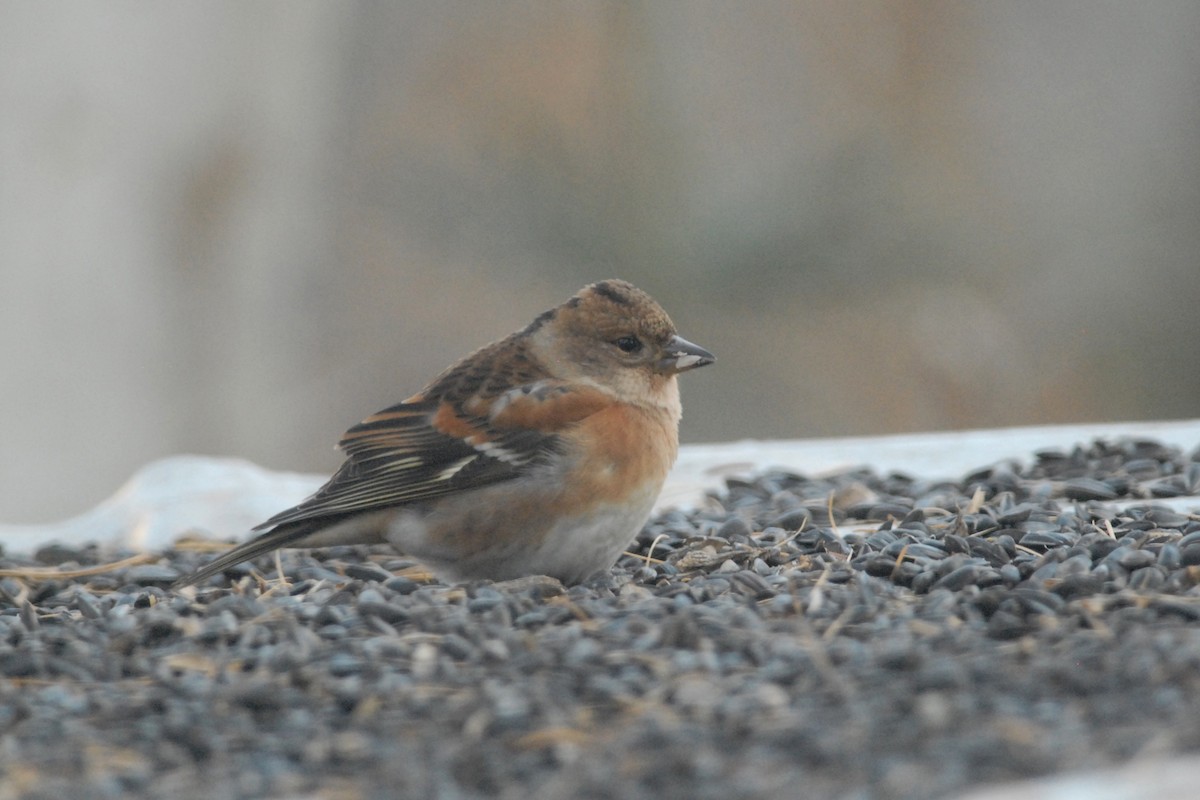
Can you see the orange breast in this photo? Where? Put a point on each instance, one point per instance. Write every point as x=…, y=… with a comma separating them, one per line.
x=625, y=448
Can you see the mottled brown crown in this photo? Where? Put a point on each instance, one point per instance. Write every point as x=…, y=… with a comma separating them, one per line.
x=610, y=309
x=570, y=340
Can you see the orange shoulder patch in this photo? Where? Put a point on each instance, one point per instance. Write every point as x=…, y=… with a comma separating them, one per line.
x=448, y=421
x=552, y=411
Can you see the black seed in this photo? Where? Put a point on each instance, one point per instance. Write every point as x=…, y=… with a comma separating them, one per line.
x=1089, y=489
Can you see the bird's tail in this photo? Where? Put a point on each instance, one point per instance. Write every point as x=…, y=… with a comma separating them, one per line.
x=290, y=534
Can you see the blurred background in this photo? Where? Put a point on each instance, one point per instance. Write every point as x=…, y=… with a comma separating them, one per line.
x=237, y=228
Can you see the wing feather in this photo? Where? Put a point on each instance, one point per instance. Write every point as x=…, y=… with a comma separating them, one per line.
x=447, y=439
x=399, y=457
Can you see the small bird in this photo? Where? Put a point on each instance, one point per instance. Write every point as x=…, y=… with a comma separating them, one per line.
x=539, y=454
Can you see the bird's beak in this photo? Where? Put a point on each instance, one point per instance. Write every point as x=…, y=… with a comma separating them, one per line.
x=683, y=355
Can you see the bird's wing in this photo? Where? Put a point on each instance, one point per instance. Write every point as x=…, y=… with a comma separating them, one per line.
x=424, y=447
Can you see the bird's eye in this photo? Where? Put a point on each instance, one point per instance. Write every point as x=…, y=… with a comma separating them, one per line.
x=629, y=344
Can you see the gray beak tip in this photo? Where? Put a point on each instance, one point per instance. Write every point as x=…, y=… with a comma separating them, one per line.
x=683, y=355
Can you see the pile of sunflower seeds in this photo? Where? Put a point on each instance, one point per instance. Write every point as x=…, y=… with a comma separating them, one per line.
x=853, y=636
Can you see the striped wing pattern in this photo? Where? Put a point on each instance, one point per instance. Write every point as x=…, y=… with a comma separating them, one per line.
x=405, y=454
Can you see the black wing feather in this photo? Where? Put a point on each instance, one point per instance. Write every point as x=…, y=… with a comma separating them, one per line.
x=396, y=457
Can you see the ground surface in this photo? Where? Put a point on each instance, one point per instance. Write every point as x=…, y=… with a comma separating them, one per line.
x=926, y=639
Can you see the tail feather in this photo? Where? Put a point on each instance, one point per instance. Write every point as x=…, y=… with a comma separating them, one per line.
x=282, y=536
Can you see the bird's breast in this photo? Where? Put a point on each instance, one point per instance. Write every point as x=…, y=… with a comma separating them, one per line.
x=570, y=518
x=621, y=452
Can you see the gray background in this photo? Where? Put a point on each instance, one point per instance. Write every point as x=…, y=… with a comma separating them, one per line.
x=237, y=228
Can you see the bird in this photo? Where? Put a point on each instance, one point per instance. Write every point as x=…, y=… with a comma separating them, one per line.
x=541, y=453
